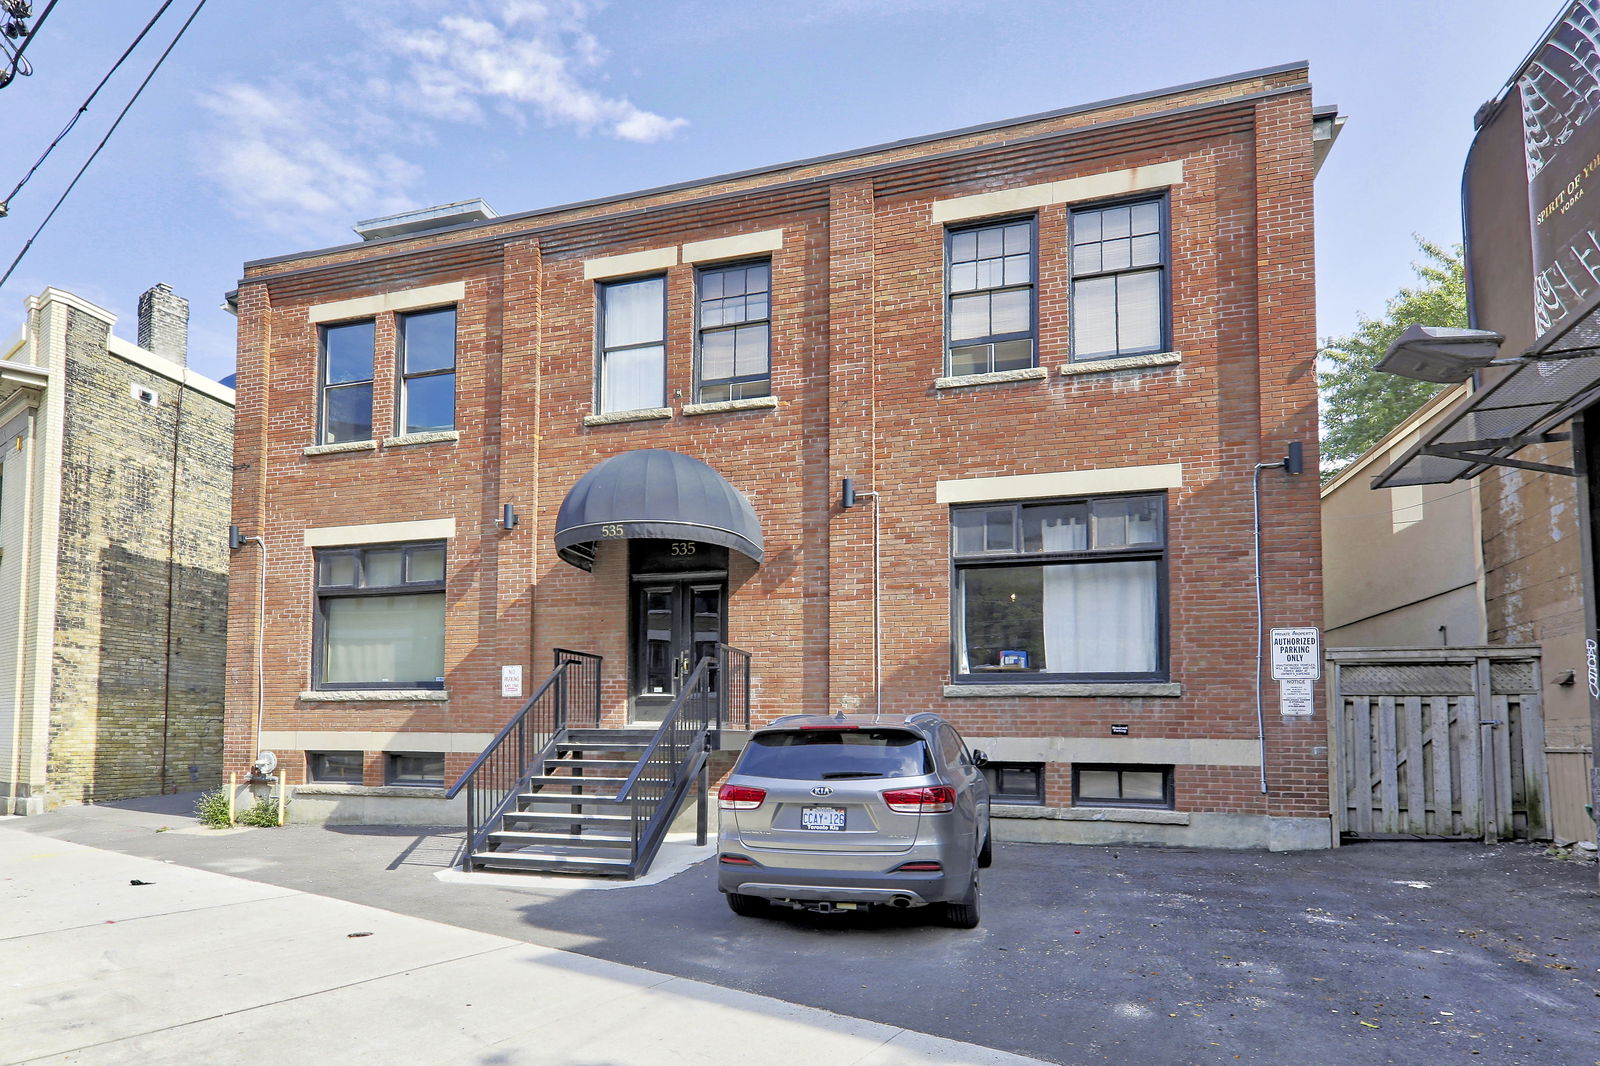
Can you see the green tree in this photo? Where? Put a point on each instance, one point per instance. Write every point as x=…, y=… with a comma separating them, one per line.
x=1360, y=404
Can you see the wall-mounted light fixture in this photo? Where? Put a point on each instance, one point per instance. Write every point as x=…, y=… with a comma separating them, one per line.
x=508, y=517
x=847, y=495
x=1295, y=461
x=235, y=538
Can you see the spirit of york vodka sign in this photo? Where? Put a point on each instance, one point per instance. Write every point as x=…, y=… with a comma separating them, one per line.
x=1559, y=91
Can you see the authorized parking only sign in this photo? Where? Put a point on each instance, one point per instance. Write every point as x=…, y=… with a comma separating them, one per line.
x=1297, y=654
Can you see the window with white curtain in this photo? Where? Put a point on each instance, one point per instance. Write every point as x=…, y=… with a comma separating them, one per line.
x=380, y=617
x=1119, y=283
x=633, y=352
x=1060, y=590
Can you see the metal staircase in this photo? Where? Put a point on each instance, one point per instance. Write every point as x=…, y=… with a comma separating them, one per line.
x=570, y=817
x=556, y=793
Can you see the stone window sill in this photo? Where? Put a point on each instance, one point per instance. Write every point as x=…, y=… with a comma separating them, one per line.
x=1086, y=688
x=445, y=436
x=376, y=695
x=1131, y=362
x=329, y=788
x=343, y=446
x=1135, y=815
x=1031, y=373
x=613, y=418
x=753, y=403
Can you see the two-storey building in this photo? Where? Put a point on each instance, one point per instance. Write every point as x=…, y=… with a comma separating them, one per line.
x=1050, y=356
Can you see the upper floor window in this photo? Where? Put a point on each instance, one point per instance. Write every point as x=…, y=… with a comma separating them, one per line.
x=735, y=332
x=346, y=392
x=380, y=617
x=427, y=361
x=1060, y=590
x=633, y=353
x=1119, y=303
x=989, y=287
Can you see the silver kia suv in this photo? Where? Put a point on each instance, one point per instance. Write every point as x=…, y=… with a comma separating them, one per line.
x=845, y=812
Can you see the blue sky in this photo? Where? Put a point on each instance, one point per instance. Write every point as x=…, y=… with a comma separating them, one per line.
x=274, y=126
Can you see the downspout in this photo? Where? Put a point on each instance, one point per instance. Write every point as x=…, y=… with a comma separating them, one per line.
x=1292, y=463
x=1261, y=632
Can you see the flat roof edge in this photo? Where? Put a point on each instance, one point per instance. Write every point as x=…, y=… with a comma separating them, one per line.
x=795, y=164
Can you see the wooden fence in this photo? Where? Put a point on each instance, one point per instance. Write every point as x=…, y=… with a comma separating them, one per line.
x=1440, y=742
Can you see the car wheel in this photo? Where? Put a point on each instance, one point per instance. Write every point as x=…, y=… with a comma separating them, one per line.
x=986, y=853
x=746, y=906
x=964, y=914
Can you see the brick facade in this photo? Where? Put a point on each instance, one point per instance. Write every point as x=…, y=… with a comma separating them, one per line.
x=117, y=489
x=857, y=346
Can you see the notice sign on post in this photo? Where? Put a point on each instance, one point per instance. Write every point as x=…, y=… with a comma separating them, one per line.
x=1294, y=698
x=1297, y=654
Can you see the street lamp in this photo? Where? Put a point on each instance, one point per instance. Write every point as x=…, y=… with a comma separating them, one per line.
x=1441, y=354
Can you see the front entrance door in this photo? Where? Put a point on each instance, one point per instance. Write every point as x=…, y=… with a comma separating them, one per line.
x=679, y=616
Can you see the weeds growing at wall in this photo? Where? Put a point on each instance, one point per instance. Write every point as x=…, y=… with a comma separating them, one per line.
x=211, y=810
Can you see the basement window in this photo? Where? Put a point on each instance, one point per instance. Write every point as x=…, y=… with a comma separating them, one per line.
x=335, y=767
x=1015, y=782
x=1118, y=785
x=415, y=769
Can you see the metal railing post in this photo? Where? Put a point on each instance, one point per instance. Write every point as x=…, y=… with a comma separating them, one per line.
x=701, y=803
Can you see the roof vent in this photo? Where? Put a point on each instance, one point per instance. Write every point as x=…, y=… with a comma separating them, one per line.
x=424, y=219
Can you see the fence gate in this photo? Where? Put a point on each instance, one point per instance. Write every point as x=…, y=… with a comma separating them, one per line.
x=1440, y=742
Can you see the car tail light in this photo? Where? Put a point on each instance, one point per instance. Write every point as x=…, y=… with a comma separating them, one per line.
x=737, y=860
x=919, y=867
x=834, y=728
x=740, y=797
x=932, y=799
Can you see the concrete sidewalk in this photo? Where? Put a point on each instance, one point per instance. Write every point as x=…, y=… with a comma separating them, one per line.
x=111, y=958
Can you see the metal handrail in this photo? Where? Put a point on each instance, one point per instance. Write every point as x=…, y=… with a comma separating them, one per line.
x=691, y=739
x=733, y=711
x=522, y=744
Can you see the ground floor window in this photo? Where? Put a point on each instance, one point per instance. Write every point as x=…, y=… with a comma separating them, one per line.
x=1116, y=785
x=1060, y=589
x=335, y=767
x=1015, y=782
x=418, y=769
x=380, y=617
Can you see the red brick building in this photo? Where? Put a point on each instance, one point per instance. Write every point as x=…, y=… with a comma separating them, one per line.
x=1048, y=353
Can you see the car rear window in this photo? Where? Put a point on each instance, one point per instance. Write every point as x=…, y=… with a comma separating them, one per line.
x=828, y=754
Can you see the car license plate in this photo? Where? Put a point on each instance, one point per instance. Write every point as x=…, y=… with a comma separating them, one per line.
x=825, y=818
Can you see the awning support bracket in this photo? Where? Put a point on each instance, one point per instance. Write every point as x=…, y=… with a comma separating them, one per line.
x=1478, y=451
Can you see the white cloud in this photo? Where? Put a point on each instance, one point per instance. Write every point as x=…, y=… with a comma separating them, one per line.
x=322, y=153
x=285, y=161
x=515, y=55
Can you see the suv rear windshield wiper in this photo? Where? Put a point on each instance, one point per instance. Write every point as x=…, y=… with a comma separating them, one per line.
x=850, y=773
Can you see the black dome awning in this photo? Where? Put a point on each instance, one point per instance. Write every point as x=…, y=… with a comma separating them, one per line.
x=654, y=494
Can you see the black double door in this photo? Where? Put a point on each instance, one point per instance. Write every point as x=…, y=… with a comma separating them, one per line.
x=679, y=615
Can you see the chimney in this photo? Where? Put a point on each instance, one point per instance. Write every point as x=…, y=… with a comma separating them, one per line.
x=164, y=324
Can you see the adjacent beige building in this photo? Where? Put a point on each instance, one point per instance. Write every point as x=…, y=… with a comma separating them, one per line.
x=115, y=474
x=1402, y=567
x=1492, y=561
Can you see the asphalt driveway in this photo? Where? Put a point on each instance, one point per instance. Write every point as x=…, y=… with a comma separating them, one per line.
x=1373, y=953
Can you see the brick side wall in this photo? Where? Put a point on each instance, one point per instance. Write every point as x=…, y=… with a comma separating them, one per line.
x=137, y=706
x=857, y=345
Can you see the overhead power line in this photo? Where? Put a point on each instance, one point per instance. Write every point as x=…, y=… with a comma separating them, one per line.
x=5, y=204
x=120, y=116
x=18, y=12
